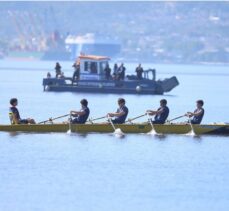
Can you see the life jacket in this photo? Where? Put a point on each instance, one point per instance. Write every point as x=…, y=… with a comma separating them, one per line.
x=11, y=117
x=12, y=112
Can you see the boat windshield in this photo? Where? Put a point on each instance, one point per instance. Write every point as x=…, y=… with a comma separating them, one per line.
x=91, y=67
x=95, y=67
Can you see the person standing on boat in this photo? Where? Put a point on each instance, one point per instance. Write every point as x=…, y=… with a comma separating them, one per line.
x=115, y=71
x=107, y=71
x=58, y=69
x=121, y=113
x=76, y=74
x=139, y=71
x=161, y=114
x=49, y=75
x=15, y=115
x=121, y=72
x=198, y=114
x=82, y=115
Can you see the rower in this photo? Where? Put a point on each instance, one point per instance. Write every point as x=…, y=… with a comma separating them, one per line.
x=121, y=113
x=82, y=115
x=161, y=114
x=15, y=115
x=198, y=113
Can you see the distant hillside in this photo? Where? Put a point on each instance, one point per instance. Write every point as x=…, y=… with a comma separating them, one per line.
x=166, y=32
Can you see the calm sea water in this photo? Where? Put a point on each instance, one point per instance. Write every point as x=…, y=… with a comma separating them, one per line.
x=102, y=172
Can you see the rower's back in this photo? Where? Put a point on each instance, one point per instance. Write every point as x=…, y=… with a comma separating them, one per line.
x=199, y=112
x=83, y=118
x=162, y=117
x=122, y=119
x=198, y=119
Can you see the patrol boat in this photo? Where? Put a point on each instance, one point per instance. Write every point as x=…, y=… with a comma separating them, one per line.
x=92, y=79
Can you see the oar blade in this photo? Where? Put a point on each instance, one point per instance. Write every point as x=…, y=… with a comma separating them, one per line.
x=119, y=132
x=69, y=132
x=152, y=132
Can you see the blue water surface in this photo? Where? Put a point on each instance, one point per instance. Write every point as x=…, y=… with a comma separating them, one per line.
x=58, y=171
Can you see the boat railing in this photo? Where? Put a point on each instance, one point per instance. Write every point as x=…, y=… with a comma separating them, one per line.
x=147, y=74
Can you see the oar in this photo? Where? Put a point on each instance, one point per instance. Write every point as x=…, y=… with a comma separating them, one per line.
x=137, y=117
x=117, y=131
x=176, y=118
x=153, y=131
x=91, y=120
x=70, y=125
x=51, y=119
x=192, y=132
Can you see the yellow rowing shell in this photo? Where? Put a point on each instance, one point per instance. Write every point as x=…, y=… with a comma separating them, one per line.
x=221, y=129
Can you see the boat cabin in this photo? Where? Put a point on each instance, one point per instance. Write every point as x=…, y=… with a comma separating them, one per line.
x=92, y=67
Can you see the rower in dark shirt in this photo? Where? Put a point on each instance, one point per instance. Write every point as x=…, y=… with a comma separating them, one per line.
x=161, y=114
x=121, y=113
x=15, y=115
x=198, y=114
x=82, y=115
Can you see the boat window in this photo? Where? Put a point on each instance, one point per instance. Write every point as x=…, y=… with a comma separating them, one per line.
x=102, y=67
x=94, y=68
x=86, y=65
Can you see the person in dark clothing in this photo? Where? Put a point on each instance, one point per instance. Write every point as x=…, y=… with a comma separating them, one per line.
x=139, y=71
x=107, y=71
x=198, y=114
x=49, y=75
x=121, y=72
x=76, y=74
x=82, y=115
x=15, y=115
x=121, y=113
x=115, y=71
x=161, y=114
x=58, y=69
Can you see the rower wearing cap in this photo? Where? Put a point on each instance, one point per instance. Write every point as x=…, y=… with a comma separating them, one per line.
x=198, y=114
x=161, y=114
x=121, y=113
x=82, y=115
x=15, y=115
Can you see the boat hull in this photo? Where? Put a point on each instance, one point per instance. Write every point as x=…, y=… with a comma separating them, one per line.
x=221, y=129
x=145, y=86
